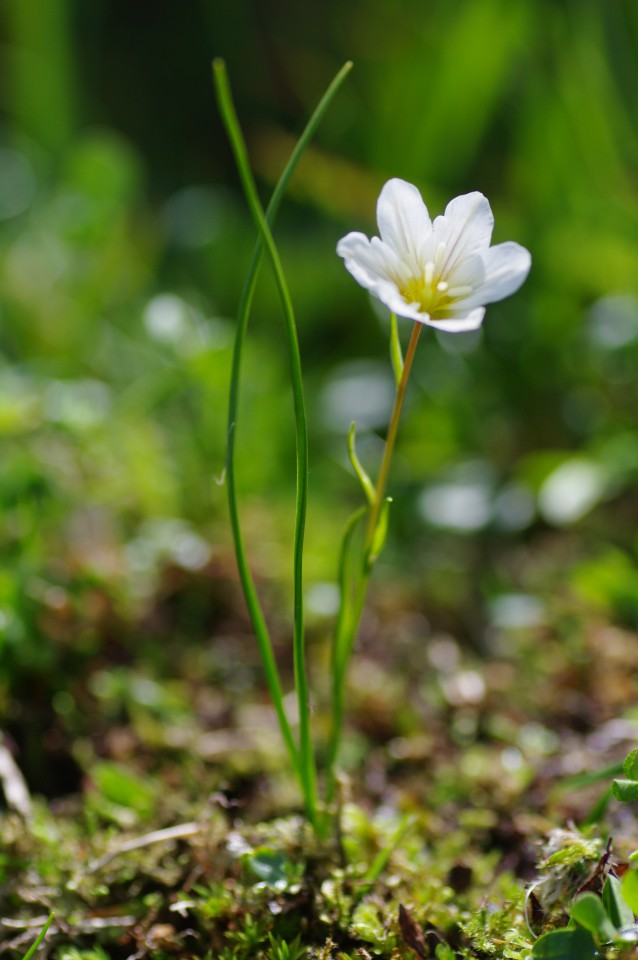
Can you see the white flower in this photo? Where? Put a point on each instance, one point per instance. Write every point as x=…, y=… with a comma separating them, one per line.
x=442, y=272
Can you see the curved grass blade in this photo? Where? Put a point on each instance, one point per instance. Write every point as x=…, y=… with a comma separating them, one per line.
x=303, y=758
x=364, y=479
x=40, y=938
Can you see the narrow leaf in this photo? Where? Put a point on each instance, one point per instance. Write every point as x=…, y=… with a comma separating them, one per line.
x=396, y=354
x=248, y=586
x=304, y=757
x=380, y=862
x=364, y=479
x=599, y=809
x=40, y=938
x=380, y=533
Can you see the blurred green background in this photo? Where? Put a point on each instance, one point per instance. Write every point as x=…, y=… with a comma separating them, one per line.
x=124, y=239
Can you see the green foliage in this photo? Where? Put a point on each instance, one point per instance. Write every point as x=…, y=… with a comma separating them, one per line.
x=596, y=921
x=123, y=242
x=618, y=907
x=118, y=787
x=40, y=939
x=626, y=790
x=576, y=944
x=367, y=924
x=249, y=937
x=589, y=912
x=74, y=953
x=629, y=888
x=273, y=868
x=285, y=949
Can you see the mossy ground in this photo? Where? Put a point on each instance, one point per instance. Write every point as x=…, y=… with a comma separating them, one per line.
x=164, y=823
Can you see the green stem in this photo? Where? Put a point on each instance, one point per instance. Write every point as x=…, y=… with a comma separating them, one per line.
x=304, y=759
x=40, y=938
x=375, y=509
x=351, y=609
x=342, y=631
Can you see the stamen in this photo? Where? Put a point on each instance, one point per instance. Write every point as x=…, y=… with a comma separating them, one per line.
x=442, y=286
x=440, y=253
x=460, y=291
x=429, y=272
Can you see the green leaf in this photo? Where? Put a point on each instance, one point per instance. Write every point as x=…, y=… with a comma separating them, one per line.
x=443, y=951
x=380, y=533
x=577, y=944
x=619, y=912
x=367, y=924
x=121, y=786
x=364, y=479
x=625, y=790
x=34, y=946
x=599, y=809
x=272, y=868
x=589, y=911
x=396, y=354
x=629, y=888
x=630, y=766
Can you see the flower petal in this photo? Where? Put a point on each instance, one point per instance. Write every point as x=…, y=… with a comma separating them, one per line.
x=506, y=266
x=403, y=220
x=462, y=320
x=390, y=295
x=368, y=263
x=376, y=267
x=465, y=227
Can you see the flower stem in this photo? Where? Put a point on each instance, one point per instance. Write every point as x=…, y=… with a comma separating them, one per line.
x=352, y=602
x=375, y=509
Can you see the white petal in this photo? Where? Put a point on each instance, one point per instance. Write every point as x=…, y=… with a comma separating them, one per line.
x=366, y=262
x=403, y=220
x=506, y=266
x=463, y=320
x=465, y=227
x=390, y=295
x=374, y=265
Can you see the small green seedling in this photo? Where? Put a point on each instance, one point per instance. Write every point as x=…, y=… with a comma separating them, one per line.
x=595, y=922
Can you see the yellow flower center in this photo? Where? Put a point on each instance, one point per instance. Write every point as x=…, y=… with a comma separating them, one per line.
x=433, y=293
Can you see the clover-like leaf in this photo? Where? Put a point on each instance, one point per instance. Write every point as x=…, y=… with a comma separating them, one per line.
x=576, y=944
x=272, y=868
x=625, y=790
x=589, y=911
x=618, y=910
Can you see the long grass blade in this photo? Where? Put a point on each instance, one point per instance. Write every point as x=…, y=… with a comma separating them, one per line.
x=304, y=758
x=40, y=938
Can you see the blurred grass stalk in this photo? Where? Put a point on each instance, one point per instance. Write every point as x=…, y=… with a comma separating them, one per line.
x=302, y=755
x=39, y=95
